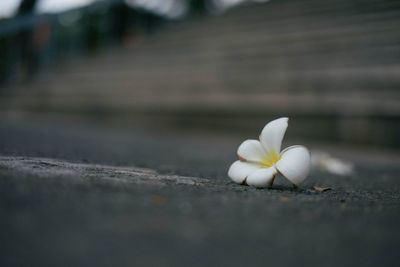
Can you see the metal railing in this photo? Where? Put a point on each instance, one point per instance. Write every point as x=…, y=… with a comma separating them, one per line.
x=33, y=42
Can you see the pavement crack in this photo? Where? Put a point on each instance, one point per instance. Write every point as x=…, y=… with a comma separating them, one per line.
x=90, y=173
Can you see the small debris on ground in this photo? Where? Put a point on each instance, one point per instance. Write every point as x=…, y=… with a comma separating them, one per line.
x=321, y=189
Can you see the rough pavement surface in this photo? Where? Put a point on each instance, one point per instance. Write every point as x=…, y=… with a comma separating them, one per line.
x=82, y=195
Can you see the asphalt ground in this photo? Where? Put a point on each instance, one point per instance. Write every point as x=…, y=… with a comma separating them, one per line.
x=52, y=214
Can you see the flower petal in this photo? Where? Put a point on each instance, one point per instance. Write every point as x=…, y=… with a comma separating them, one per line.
x=272, y=135
x=262, y=177
x=251, y=150
x=295, y=164
x=240, y=170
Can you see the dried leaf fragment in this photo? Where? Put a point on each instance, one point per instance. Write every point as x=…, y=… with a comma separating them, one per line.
x=321, y=189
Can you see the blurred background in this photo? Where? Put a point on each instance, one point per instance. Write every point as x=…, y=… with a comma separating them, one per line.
x=224, y=66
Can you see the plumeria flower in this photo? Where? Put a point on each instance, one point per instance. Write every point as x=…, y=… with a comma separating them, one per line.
x=260, y=161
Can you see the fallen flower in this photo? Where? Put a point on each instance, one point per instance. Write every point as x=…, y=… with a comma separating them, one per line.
x=325, y=162
x=260, y=161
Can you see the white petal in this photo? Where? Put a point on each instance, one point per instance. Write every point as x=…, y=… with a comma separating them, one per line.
x=272, y=135
x=262, y=178
x=240, y=170
x=295, y=164
x=251, y=150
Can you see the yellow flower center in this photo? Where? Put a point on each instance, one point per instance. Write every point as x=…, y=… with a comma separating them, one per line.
x=270, y=159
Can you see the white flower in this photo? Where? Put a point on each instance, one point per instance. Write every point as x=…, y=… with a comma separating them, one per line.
x=260, y=161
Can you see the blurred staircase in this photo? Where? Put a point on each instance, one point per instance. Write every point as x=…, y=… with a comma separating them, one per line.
x=333, y=65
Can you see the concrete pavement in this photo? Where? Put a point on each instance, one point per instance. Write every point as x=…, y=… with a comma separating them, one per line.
x=72, y=194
